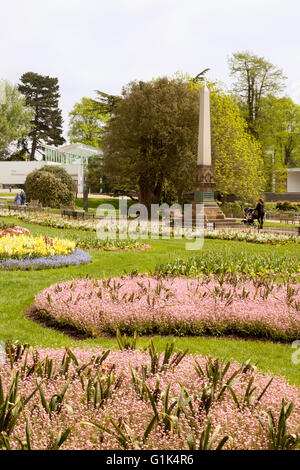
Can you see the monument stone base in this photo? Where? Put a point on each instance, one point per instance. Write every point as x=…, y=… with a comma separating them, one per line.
x=211, y=209
x=204, y=194
x=213, y=215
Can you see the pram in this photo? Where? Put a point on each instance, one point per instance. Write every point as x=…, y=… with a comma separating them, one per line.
x=249, y=216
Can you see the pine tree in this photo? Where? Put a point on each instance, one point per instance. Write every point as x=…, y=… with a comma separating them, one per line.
x=42, y=94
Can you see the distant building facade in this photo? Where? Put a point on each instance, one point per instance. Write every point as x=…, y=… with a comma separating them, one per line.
x=293, y=180
x=291, y=187
x=72, y=158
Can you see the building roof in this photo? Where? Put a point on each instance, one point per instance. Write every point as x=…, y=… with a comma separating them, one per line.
x=71, y=153
x=80, y=149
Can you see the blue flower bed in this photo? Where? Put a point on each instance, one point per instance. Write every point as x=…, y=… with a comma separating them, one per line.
x=47, y=262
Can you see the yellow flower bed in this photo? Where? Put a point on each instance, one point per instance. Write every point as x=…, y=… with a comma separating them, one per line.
x=27, y=246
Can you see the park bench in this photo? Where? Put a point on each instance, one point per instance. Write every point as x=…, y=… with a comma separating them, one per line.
x=69, y=211
x=3, y=203
x=13, y=206
x=272, y=216
x=66, y=211
x=297, y=217
x=286, y=217
x=34, y=206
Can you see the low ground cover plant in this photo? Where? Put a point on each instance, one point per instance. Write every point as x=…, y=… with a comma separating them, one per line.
x=287, y=206
x=4, y=225
x=175, y=306
x=90, y=241
x=78, y=257
x=229, y=261
x=134, y=399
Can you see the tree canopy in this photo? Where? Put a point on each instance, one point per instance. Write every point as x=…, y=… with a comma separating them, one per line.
x=255, y=78
x=151, y=142
x=237, y=156
x=279, y=128
x=151, y=136
x=15, y=117
x=87, y=122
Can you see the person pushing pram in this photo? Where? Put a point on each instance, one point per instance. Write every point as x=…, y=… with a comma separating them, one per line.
x=250, y=214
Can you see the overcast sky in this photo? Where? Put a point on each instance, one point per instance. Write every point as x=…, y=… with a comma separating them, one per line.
x=96, y=44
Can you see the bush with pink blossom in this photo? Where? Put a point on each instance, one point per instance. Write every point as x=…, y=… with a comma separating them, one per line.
x=95, y=399
x=240, y=306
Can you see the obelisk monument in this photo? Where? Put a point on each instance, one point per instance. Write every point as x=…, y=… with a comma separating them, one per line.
x=204, y=140
x=205, y=180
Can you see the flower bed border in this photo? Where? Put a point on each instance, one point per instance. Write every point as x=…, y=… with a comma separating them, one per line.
x=78, y=257
x=72, y=303
x=226, y=235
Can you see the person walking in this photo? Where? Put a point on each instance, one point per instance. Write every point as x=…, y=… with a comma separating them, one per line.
x=18, y=199
x=23, y=198
x=259, y=212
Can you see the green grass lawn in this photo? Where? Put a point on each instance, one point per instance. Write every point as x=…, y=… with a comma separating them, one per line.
x=8, y=195
x=95, y=202
x=279, y=225
x=268, y=223
x=17, y=291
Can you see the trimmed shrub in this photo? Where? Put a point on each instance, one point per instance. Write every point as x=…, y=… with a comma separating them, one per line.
x=62, y=174
x=52, y=186
x=235, y=209
x=286, y=206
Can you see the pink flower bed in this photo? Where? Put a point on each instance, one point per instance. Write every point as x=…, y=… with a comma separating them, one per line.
x=133, y=411
x=174, y=306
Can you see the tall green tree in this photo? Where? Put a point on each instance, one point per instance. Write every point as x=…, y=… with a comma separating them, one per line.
x=15, y=117
x=42, y=94
x=106, y=103
x=88, y=119
x=151, y=142
x=236, y=155
x=87, y=122
x=255, y=78
x=149, y=136
x=279, y=128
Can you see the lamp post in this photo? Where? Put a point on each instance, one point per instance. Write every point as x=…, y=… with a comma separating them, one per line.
x=85, y=187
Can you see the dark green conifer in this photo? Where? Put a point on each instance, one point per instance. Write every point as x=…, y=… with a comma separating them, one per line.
x=42, y=94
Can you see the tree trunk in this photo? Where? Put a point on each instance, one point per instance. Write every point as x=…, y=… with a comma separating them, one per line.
x=287, y=155
x=33, y=149
x=86, y=198
x=147, y=197
x=149, y=192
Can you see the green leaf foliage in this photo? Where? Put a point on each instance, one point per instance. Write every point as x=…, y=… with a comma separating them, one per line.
x=15, y=117
x=42, y=94
x=52, y=186
x=152, y=137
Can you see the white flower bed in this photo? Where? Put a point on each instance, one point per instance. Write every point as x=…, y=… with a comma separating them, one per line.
x=140, y=229
x=252, y=237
